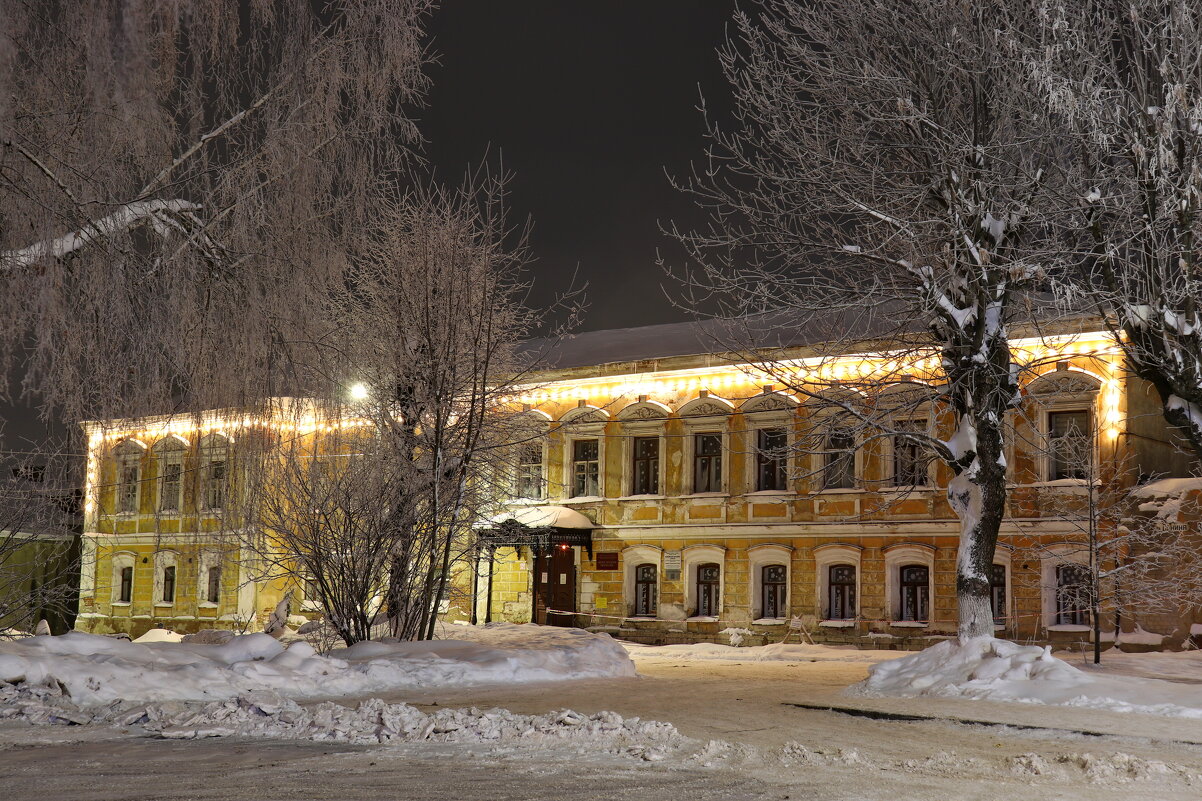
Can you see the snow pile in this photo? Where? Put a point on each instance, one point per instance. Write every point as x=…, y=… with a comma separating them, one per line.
x=1164, y=497
x=372, y=721
x=998, y=670
x=775, y=652
x=94, y=670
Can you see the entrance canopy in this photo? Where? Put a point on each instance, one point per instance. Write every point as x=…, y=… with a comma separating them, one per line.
x=539, y=528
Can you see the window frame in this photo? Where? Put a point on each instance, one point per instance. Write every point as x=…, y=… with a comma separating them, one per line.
x=896, y=432
x=651, y=606
x=645, y=470
x=531, y=473
x=717, y=472
x=779, y=461
x=1087, y=446
x=596, y=461
x=708, y=591
x=921, y=591
x=848, y=456
x=850, y=600
x=768, y=588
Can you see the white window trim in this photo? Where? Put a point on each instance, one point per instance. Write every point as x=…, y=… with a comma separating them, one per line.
x=820, y=423
x=169, y=450
x=632, y=557
x=691, y=556
x=216, y=447
x=887, y=452
x=896, y=557
x=207, y=560
x=129, y=452
x=641, y=430
x=1052, y=557
x=1003, y=556
x=571, y=432
x=827, y=556
x=1045, y=405
x=121, y=560
x=759, y=557
x=162, y=561
x=779, y=418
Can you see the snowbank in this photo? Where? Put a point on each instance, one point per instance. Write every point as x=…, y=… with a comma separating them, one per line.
x=94, y=670
x=999, y=670
x=372, y=721
x=776, y=652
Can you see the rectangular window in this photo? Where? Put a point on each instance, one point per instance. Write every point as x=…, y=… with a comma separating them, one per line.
x=127, y=585
x=646, y=466
x=1073, y=596
x=1070, y=450
x=771, y=456
x=586, y=479
x=910, y=456
x=839, y=459
x=841, y=580
x=530, y=471
x=215, y=483
x=915, y=593
x=127, y=491
x=213, y=592
x=170, y=484
x=997, y=593
x=707, y=463
x=169, y=584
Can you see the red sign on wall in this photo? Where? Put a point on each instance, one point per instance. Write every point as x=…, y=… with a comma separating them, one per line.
x=607, y=560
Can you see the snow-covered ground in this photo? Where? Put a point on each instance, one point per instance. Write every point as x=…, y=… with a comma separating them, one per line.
x=999, y=670
x=775, y=652
x=92, y=670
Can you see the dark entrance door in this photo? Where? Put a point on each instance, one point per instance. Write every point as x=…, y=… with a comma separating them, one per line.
x=555, y=587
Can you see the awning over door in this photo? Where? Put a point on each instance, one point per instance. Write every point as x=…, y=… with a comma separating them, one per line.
x=539, y=528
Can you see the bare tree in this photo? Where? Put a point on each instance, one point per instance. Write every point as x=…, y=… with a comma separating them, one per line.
x=39, y=542
x=179, y=181
x=420, y=348
x=1128, y=79
x=879, y=191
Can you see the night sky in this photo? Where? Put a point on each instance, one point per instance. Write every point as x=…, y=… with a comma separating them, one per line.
x=587, y=104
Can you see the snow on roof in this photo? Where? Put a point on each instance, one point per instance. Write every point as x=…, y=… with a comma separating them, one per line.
x=715, y=335
x=546, y=516
x=1167, y=487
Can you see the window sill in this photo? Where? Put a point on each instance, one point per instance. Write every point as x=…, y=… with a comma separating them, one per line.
x=1070, y=627
x=164, y=604
x=900, y=490
x=707, y=495
x=838, y=491
x=584, y=499
x=838, y=624
x=909, y=624
x=701, y=619
x=647, y=497
x=770, y=621
x=207, y=605
x=770, y=493
x=121, y=604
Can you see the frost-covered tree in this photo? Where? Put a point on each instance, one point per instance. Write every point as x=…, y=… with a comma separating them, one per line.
x=878, y=189
x=419, y=347
x=1128, y=79
x=178, y=181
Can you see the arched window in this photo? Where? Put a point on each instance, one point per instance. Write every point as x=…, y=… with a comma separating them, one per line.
x=645, y=580
x=709, y=580
x=915, y=593
x=775, y=593
x=841, y=586
x=129, y=476
x=123, y=578
x=213, y=584
x=215, y=456
x=1072, y=595
x=170, y=453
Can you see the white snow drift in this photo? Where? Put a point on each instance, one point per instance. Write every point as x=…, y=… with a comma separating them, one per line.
x=999, y=670
x=93, y=670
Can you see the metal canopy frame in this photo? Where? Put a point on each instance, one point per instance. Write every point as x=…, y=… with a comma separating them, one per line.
x=514, y=534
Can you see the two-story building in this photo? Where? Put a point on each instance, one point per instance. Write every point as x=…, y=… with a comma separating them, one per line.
x=671, y=492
